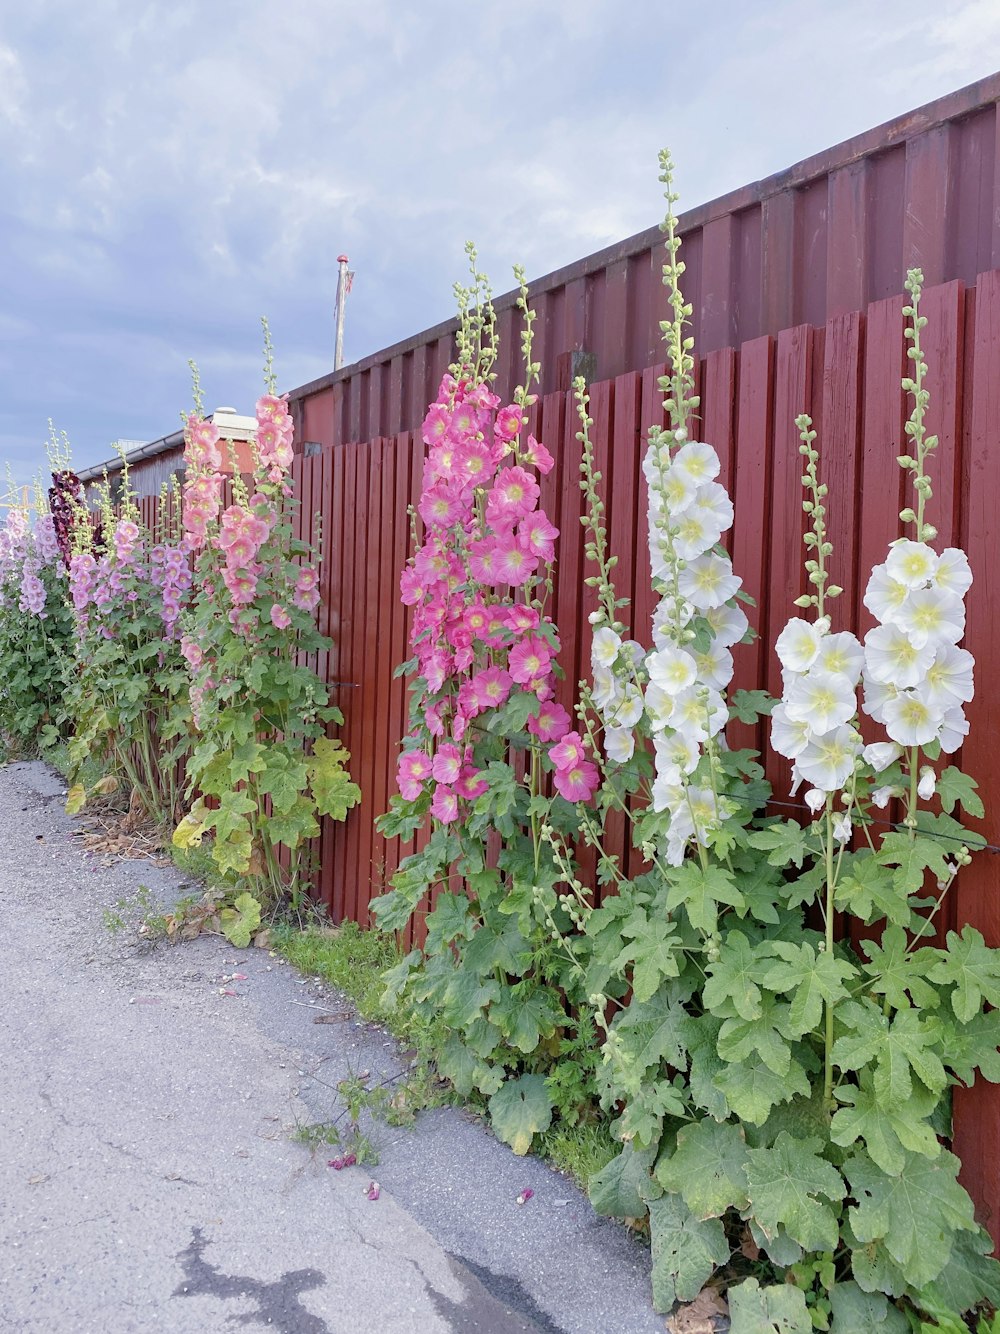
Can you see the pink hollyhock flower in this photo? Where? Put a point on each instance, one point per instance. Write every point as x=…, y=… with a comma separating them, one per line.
x=496, y=627
x=280, y=618
x=476, y=619
x=515, y=493
x=483, y=560
x=444, y=806
x=521, y=618
x=568, y=751
x=537, y=535
x=470, y=783
x=192, y=652
x=240, y=551
x=446, y=764
x=528, y=659
x=412, y=771
x=440, y=506
x=411, y=587
x=242, y=585
x=537, y=455
x=271, y=408
x=578, y=782
x=508, y=422
x=306, y=580
x=511, y=564
x=436, y=424
x=434, y=717
x=477, y=463
x=306, y=601
x=492, y=686
x=551, y=722
x=466, y=420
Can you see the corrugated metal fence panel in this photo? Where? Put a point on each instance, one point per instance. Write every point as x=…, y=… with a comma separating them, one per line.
x=824, y=238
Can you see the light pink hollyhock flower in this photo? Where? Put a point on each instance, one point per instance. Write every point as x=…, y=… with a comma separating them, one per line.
x=536, y=534
x=444, y=806
x=434, y=718
x=511, y=564
x=483, y=558
x=528, y=660
x=240, y=551
x=515, y=493
x=280, y=618
x=492, y=686
x=242, y=585
x=475, y=464
x=496, y=627
x=271, y=408
x=446, y=764
x=306, y=601
x=411, y=587
x=578, y=782
x=476, y=619
x=192, y=652
x=508, y=422
x=568, y=751
x=440, y=506
x=551, y=722
x=537, y=455
x=521, y=618
x=306, y=580
x=470, y=783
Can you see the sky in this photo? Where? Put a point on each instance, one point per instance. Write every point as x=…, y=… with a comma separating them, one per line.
x=172, y=171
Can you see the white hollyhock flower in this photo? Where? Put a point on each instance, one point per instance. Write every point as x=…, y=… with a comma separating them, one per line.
x=698, y=461
x=628, y=708
x=910, y=720
x=927, y=784
x=952, y=730
x=815, y=799
x=788, y=738
x=673, y=669
x=891, y=657
x=715, y=667
x=699, y=713
x=880, y=754
x=694, y=534
x=953, y=574
x=841, y=654
x=827, y=762
x=949, y=677
x=884, y=596
x=708, y=581
x=911, y=563
x=842, y=828
x=605, y=648
x=821, y=699
x=876, y=695
x=728, y=624
x=798, y=645
x=606, y=689
x=619, y=744
x=659, y=707
x=667, y=792
x=671, y=614
x=881, y=796
x=713, y=504
x=676, y=751
x=675, y=490
x=932, y=616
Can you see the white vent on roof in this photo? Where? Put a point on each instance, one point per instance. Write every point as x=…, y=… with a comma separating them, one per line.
x=232, y=425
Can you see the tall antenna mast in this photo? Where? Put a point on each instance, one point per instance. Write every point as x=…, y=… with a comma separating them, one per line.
x=343, y=287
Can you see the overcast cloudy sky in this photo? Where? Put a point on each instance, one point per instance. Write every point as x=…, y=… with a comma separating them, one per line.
x=173, y=170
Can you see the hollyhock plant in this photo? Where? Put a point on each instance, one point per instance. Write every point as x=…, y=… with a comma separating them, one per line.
x=259, y=714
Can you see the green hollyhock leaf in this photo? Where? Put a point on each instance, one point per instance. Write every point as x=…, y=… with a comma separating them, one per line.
x=857, y=1312
x=751, y=1089
x=293, y=825
x=731, y=986
x=332, y=789
x=466, y=997
x=620, y=1189
x=785, y=842
x=230, y=818
x=912, y=858
x=899, y=975
x=887, y=1132
x=652, y=1032
x=789, y=1184
x=702, y=1035
x=241, y=920
x=813, y=978
x=701, y=891
x=525, y=1019
x=970, y=1277
x=913, y=1215
x=455, y=1062
x=973, y=969
x=450, y=919
x=513, y=717
x=490, y=949
x=520, y=1110
x=741, y=1038
x=776, y=1310
x=283, y=779
x=749, y=705
x=651, y=950
x=868, y=891
x=955, y=787
x=686, y=1251
x=899, y=1049
x=966, y=1048
x=708, y=1168
x=234, y=852
x=246, y=759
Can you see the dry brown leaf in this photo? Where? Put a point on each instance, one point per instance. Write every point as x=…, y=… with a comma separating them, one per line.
x=262, y=940
x=340, y=1017
x=700, y=1316
x=748, y=1246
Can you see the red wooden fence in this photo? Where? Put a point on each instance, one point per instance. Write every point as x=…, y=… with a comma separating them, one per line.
x=846, y=375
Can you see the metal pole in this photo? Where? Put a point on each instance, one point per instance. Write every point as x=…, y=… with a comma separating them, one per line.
x=338, y=355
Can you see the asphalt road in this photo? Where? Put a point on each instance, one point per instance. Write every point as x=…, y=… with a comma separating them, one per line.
x=148, y=1175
